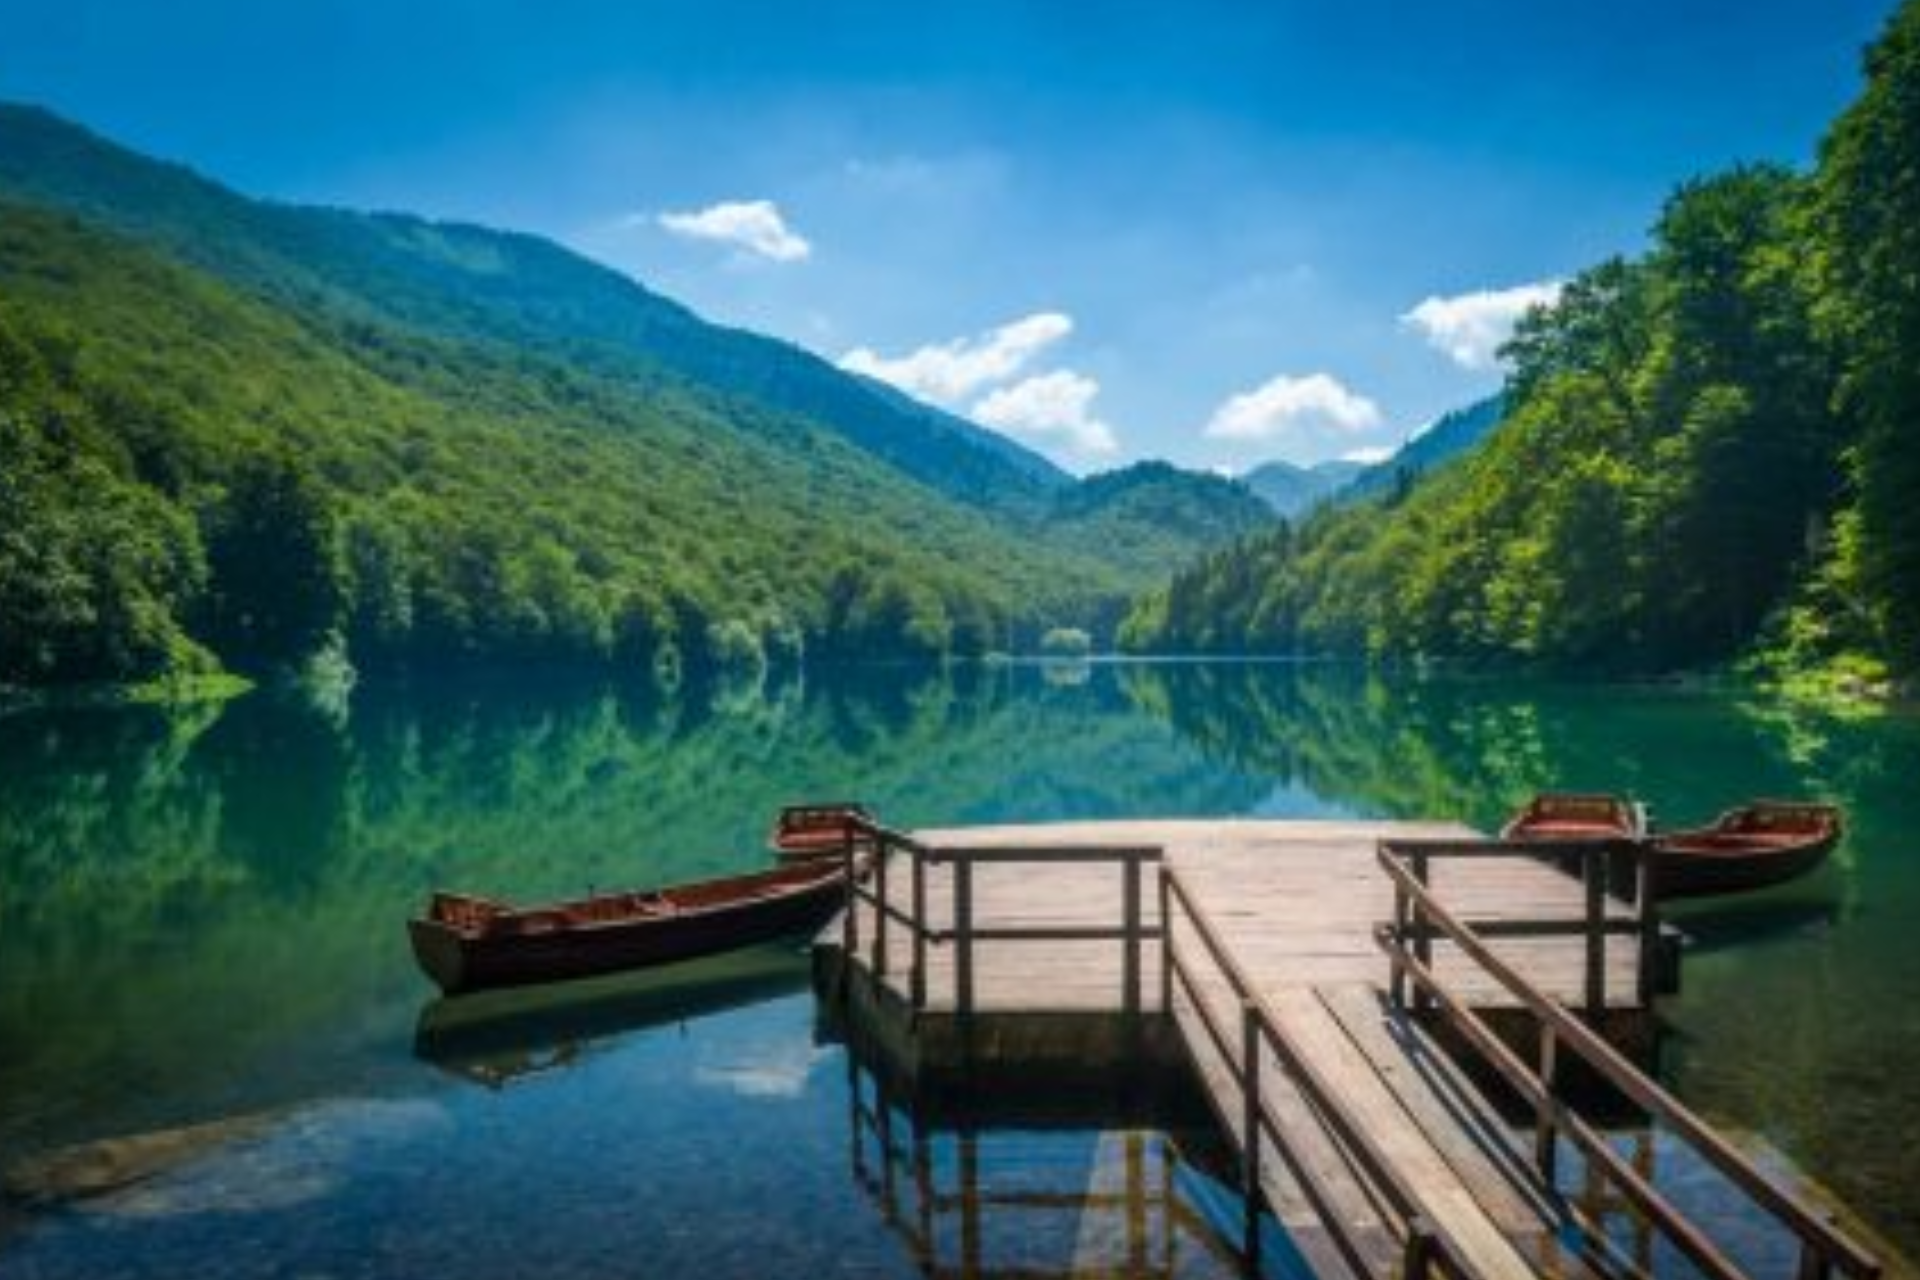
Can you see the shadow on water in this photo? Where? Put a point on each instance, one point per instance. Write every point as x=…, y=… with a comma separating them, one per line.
x=991, y=1186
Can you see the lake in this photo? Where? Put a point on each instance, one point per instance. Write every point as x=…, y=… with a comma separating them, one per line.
x=212, y=1057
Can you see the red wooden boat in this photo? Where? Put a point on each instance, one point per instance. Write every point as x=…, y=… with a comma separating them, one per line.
x=1572, y=815
x=1756, y=845
x=466, y=944
x=805, y=831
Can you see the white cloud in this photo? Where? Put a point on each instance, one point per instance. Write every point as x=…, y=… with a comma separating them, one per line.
x=752, y=226
x=948, y=372
x=1053, y=407
x=1371, y=455
x=1317, y=404
x=1469, y=327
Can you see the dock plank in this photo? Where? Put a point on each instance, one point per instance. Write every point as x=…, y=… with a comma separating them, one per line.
x=1295, y=904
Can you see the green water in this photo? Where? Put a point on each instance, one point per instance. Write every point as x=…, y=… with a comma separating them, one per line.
x=200, y=938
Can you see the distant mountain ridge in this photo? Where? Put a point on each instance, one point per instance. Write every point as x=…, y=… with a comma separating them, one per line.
x=1292, y=490
x=1446, y=438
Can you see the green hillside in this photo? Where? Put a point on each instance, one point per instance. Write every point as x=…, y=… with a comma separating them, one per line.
x=476, y=284
x=192, y=475
x=1708, y=452
x=239, y=435
x=1448, y=437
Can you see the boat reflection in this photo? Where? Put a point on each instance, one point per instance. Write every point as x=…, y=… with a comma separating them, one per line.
x=495, y=1038
x=1736, y=923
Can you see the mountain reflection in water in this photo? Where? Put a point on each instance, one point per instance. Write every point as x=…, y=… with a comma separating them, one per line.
x=200, y=920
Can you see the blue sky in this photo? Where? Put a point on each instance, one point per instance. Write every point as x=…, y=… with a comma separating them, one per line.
x=1201, y=231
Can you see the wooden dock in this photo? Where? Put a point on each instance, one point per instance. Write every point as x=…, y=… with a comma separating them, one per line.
x=1308, y=975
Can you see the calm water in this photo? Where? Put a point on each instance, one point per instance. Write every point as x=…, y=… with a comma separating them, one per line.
x=202, y=965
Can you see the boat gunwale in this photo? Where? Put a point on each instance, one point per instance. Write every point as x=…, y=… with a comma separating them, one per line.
x=780, y=883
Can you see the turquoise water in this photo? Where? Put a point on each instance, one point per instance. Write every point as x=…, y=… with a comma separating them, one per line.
x=216, y=1056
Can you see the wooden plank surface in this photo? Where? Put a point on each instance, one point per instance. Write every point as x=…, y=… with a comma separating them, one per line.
x=1297, y=900
x=1295, y=903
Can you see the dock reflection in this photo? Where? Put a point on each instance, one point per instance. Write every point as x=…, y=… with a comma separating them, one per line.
x=1039, y=1194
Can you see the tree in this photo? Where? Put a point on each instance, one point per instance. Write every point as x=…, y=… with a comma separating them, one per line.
x=277, y=588
x=1868, y=211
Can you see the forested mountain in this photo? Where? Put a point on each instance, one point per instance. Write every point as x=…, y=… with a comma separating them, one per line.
x=1152, y=512
x=1449, y=436
x=1710, y=449
x=1290, y=490
x=326, y=446
x=472, y=283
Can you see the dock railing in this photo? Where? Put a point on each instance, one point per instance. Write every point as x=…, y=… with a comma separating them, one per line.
x=1609, y=910
x=1420, y=918
x=870, y=861
x=1258, y=1038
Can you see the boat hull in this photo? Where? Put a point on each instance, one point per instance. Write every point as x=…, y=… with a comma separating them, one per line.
x=1729, y=864
x=1755, y=846
x=1576, y=817
x=460, y=961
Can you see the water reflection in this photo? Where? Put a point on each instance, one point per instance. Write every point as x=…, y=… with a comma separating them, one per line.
x=496, y=1038
x=200, y=913
x=969, y=1196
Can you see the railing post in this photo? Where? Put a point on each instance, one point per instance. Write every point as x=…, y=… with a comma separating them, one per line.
x=1250, y=1124
x=849, y=921
x=917, y=980
x=1813, y=1263
x=1166, y=941
x=963, y=935
x=1593, y=866
x=1398, y=980
x=1130, y=926
x=882, y=856
x=1422, y=930
x=1418, y=1261
x=1544, y=1145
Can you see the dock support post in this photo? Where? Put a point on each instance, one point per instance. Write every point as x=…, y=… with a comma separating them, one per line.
x=1418, y=1261
x=970, y=1250
x=1166, y=943
x=1136, y=1159
x=924, y=1192
x=880, y=861
x=1594, y=869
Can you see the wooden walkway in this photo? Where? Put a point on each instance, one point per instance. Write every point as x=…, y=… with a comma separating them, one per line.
x=1264, y=949
x=1296, y=901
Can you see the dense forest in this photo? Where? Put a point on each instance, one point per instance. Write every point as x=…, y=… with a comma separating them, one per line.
x=242, y=437
x=1710, y=452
